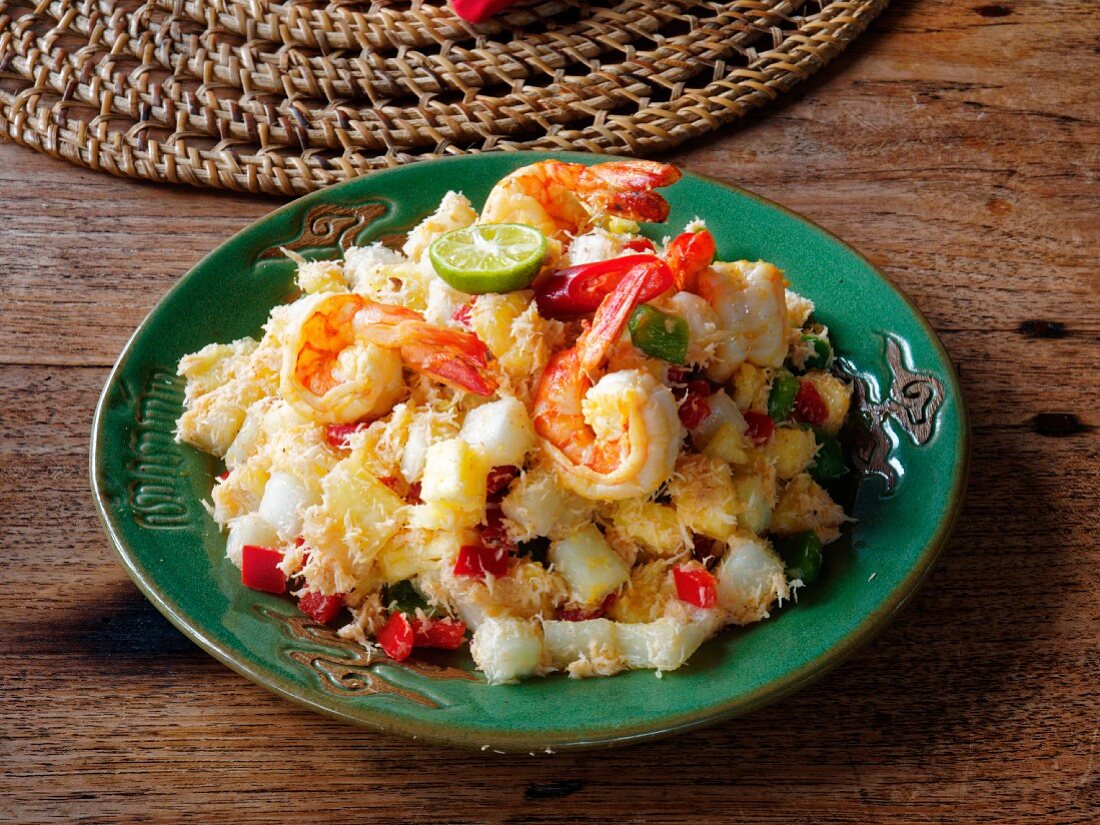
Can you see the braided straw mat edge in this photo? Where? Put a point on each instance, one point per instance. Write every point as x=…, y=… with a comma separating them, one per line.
x=287, y=97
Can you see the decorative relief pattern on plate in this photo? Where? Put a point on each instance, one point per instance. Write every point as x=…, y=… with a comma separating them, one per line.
x=349, y=670
x=913, y=400
x=154, y=492
x=330, y=226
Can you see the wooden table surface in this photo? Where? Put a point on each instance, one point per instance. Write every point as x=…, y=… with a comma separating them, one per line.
x=957, y=146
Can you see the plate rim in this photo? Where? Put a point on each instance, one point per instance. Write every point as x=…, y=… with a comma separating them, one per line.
x=874, y=624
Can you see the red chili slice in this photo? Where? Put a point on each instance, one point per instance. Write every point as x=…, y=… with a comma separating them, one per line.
x=579, y=289
x=809, y=406
x=761, y=427
x=396, y=637
x=696, y=586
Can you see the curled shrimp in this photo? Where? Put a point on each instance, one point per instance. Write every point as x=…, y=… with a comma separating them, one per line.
x=343, y=359
x=557, y=197
x=616, y=438
x=750, y=302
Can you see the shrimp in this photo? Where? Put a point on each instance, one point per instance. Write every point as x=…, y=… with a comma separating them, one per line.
x=561, y=198
x=342, y=361
x=750, y=301
x=618, y=438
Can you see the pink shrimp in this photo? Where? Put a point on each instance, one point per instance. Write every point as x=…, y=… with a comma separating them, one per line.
x=329, y=378
x=558, y=197
x=618, y=437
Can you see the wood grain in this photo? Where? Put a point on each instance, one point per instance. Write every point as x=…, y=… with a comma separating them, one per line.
x=958, y=146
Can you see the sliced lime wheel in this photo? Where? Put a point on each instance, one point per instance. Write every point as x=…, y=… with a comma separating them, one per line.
x=489, y=257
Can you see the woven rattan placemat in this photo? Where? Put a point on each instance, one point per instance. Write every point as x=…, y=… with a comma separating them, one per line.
x=287, y=97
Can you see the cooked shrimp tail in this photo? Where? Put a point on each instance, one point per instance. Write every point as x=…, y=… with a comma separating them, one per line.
x=563, y=198
x=618, y=438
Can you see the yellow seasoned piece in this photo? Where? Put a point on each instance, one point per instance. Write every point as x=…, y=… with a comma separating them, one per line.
x=751, y=385
x=357, y=516
x=728, y=444
x=655, y=527
x=704, y=497
x=647, y=592
x=837, y=396
x=804, y=505
x=792, y=449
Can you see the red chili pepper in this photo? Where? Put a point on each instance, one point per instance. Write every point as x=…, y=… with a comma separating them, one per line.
x=260, y=569
x=809, y=406
x=761, y=427
x=499, y=479
x=478, y=11
x=694, y=408
x=337, y=435
x=320, y=608
x=579, y=290
x=463, y=313
x=640, y=245
x=396, y=637
x=478, y=561
x=689, y=254
x=581, y=614
x=677, y=375
x=223, y=476
x=447, y=634
x=696, y=586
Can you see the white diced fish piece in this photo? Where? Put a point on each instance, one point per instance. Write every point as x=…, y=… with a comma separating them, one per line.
x=507, y=649
x=589, y=565
x=750, y=579
x=501, y=431
x=284, y=503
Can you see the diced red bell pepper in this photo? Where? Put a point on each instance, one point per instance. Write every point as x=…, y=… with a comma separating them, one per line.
x=694, y=408
x=260, y=569
x=397, y=637
x=761, y=427
x=478, y=561
x=447, y=634
x=499, y=479
x=478, y=11
x=223, y=476
x=392, y=482
x=689, y=253
x=579, y=289
x=581, y=614
x=337, y=435
x=695, y=585
x=639, y=245
x=321, y=608
x=809, y=406
x=413, y=496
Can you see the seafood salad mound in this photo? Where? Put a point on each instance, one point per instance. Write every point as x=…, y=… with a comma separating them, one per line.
x=532, y=430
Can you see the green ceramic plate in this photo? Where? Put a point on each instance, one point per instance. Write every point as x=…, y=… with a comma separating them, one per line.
x=912, y=453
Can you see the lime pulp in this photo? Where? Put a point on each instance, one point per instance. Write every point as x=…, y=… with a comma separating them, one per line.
x=489, y=257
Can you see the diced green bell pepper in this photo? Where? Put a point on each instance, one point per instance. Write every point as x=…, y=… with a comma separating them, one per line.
x=781, y=398
x=802, y=555
x=659, y=334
